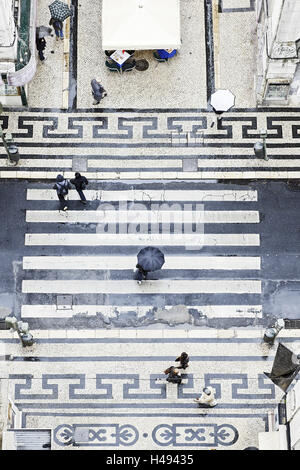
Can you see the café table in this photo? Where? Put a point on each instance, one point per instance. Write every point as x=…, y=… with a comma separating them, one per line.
x=120, y=57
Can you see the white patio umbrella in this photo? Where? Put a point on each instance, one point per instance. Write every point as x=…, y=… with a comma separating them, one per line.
x=222, y=100
x=140, y=24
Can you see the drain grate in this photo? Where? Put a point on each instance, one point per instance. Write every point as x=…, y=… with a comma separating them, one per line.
x=64, y=302
x=141, y=65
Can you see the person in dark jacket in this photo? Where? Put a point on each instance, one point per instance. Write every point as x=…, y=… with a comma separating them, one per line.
x=58, y=28
x=41, y=46
x=141, y=274
x=80, y=182
x=174, y=376
x=98, y=91
x=184, y=360
x=62, y=187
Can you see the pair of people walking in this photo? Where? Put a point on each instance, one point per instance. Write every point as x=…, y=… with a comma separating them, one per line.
x=63, y=185
x=173, y=373
x=41, y=41
x=207, y=398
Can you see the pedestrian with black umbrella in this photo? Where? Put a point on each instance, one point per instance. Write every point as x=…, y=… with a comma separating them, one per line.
x=149, y=259
x=59, y=11
x=58, y=28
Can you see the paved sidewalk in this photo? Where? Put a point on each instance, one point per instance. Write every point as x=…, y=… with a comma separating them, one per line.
x=112, y=382
x=186, y=81
x=174, y=144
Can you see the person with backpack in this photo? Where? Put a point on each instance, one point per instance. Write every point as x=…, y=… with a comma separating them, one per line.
x=62, y=187
x=80, y=182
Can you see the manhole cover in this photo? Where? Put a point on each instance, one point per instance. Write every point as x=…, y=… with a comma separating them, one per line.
x=142, y=65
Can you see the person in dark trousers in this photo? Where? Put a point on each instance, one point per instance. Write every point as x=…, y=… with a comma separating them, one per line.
x=184, y=360
x=58, y=28
x=174, y=376
x=62, y=187
x=80, y=182
x=41, y=46
x=141, y=274
x=98, y=91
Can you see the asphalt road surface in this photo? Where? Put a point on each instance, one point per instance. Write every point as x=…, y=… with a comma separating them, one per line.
x=78, y=271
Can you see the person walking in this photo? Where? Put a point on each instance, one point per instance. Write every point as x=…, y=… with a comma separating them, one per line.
x=174, y=376
x=58, y=28
x=141, y=274
x=80, y=182
x=98, y=91
x=207, y=397
x=62, y=187
x=184, y=360
x=41, y=46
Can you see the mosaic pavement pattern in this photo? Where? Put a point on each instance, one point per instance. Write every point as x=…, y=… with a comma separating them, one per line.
x=174, y=145
x=107, y=391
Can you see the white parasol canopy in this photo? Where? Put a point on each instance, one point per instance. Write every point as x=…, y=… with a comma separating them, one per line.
x=222, y=100
x=140, y=24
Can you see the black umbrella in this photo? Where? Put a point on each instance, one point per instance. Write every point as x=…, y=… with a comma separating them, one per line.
x=285, y=367
x=150, y=258
x=59, y=10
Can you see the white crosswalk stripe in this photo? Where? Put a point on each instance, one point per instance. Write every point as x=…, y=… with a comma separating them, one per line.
x=127, y=262
x=149, y=195
x=232, y=275
x=50, y=311
x=140, y=239
x=149, y=287
x=144, y=216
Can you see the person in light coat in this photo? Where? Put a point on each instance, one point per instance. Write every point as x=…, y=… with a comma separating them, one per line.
x=207, y=397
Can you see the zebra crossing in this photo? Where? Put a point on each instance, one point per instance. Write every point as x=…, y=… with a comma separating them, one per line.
x=80, y=263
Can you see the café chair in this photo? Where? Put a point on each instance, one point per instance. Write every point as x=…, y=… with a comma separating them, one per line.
x=128, y=65
x=112, y=66
x=158, y=58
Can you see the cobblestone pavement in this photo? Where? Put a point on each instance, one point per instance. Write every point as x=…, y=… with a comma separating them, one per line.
x=173, y=145
x=107, y=389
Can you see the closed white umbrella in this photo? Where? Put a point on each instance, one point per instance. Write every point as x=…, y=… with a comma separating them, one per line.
x=140, y=24
x=222, y=100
